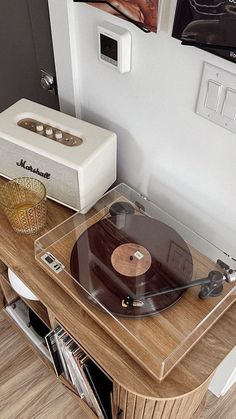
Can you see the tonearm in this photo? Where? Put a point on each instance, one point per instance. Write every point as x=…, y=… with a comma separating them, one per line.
x=211, y=286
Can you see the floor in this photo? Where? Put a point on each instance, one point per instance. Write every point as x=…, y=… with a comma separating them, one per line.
x=29, y=391
x=221, y=408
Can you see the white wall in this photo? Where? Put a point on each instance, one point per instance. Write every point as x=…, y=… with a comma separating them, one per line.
x=181, y=161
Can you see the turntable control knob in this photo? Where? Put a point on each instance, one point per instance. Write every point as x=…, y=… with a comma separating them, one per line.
x=48, y=131
x=39, y=128
x=58, y=135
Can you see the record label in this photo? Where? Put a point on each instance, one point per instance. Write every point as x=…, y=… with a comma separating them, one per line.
x=131, y=259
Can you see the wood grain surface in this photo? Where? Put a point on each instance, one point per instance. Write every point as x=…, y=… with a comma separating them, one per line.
x=47, y=398
x=191, y=373
x=27, y=388
x=222, y=407
x=134, y=407
x=126, y=264
x=8, y=292
x=158, y=342
x=1, y=299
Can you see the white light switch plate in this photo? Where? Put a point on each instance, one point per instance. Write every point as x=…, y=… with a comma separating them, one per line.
x=217, y=96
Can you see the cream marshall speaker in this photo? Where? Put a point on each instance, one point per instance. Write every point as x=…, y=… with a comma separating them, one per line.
x=75, y=160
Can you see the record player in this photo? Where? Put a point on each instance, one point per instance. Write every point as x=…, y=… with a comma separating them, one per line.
x=149, y=281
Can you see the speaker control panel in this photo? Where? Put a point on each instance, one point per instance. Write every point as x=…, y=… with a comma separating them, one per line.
x=50, y=132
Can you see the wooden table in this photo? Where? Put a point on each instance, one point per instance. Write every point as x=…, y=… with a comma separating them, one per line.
x=135, y=393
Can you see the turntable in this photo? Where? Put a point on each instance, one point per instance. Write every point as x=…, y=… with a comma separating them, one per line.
x=150, y=282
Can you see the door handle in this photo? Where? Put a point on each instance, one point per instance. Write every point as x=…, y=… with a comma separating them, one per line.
x=48, y=82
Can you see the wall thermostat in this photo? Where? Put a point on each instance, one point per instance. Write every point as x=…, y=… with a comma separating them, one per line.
x=115, y=46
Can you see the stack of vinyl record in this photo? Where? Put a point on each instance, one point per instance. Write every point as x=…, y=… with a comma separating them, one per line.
x=88, y=379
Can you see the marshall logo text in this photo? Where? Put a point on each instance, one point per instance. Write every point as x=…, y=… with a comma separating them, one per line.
x=22, y=163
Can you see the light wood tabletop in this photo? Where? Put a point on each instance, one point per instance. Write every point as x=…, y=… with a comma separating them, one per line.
x=191, y=373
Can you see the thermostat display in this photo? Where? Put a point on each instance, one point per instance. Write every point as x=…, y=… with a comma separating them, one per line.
x=115, y=47
x=109, y=50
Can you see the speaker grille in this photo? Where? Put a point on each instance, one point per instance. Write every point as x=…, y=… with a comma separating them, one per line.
x=60, y=181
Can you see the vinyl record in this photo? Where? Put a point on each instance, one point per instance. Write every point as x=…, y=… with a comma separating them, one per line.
x=131, y=255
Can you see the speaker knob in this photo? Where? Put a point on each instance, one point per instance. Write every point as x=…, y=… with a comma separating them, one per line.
x=39, y=128
x=48, y=131
x=58, y=135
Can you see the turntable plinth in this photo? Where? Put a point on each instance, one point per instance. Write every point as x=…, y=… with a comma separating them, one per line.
x=95, y=251
x=136, y=393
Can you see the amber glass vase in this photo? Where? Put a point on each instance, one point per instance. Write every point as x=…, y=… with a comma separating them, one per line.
x=24, y=203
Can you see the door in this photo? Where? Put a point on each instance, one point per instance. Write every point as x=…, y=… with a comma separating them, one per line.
x=25, y=50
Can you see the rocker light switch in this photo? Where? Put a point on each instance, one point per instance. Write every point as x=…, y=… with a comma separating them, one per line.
x=229, y=107
x=217, y=97
x=213, y=95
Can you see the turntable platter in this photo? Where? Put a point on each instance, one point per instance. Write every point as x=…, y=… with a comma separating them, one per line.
x=132, y=255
